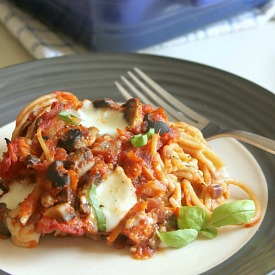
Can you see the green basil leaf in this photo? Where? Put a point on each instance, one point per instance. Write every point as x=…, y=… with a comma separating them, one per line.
x=141, y=140
x=67, y=117
x=192, y=217
x=236, y=212
x=150, y=132
x=101, y=219
x=210, y=232
x=178, y=238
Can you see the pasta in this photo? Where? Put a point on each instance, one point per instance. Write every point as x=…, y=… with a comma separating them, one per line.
x=101, y=169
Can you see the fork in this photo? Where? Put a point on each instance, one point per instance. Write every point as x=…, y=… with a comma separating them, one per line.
x=177, y=111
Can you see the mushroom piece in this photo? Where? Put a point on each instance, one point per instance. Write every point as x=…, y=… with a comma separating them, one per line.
x=160, y=127
x=81, y=161
x=106, y=103
x=133, y=112
x=3, y=188
x=3, y=216
x=60, y=212
x=58, y=175
x=76, y=138
x=70, y=141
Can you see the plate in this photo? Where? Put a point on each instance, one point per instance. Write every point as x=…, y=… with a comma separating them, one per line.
x=89, y=253
x=222, y=97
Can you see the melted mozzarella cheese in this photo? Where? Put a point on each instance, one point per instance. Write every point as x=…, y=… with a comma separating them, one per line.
x=117, y=196
x=19, y=190
x=106, y=120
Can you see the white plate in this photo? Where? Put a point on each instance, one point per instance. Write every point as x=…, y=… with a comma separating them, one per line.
x=83, y=256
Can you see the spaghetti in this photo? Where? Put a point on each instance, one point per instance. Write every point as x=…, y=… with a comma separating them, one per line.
x=86, y=177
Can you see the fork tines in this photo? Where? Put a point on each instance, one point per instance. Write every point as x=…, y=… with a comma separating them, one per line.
x=142, y=84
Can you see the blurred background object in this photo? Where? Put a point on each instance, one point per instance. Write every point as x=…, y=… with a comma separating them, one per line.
x=242, y=44
x=53, y=28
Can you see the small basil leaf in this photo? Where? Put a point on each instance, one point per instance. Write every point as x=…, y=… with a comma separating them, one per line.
x=236, y=212
x=101, y=219
x=178, y=238
x=141, y=140
x=192, y=217
x=67, y=117
x=210, y=232
x=150, y=132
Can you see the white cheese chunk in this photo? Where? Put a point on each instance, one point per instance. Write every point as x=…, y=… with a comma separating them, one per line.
x=106, y=120
x=117, y=196
x=19, y=190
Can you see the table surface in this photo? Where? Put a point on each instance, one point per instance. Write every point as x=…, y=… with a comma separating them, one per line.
x=11, y=51
x=248, y=53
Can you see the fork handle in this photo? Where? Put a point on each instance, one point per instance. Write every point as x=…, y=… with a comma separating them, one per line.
x=253, y=139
